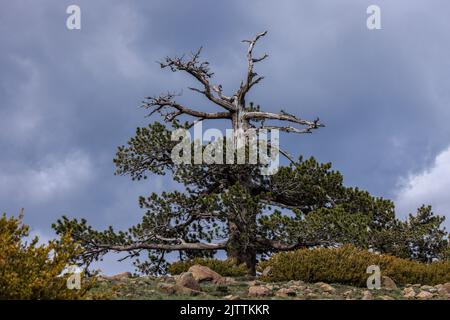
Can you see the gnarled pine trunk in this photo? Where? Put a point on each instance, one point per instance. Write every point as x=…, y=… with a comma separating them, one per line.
x=242, y=225
x=242, y=239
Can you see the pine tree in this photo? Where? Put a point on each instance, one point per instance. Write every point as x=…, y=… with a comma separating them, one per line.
x=233, y=207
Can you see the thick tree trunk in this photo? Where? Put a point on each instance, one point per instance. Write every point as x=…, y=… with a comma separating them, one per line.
x=248, y=257
x=241, y=225
x=239, y=123
x=241, y=243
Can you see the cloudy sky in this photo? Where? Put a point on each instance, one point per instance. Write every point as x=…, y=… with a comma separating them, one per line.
x=68, y=98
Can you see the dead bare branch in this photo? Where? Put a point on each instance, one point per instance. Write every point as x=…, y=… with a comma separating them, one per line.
x=251, y=78
x=166, y=102
x=201, y=72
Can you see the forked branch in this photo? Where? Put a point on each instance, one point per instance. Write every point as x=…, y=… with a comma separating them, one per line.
x=169, y=109
x=252, y=77
x=201, y=72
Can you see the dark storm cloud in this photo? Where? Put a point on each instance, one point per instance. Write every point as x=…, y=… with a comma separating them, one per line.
x=68, y=98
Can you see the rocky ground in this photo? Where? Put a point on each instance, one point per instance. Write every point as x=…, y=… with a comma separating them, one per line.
x=203, y=283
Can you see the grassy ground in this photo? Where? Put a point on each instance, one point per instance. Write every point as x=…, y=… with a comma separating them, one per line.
x=144, y=288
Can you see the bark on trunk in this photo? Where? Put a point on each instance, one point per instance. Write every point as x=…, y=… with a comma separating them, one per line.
x=241, y=226
x=241, y=242
x=247, y=256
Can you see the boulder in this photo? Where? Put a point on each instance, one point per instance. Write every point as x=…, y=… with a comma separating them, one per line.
x=285, y=292
x=409, y=293
x=167, y=287
x=348, y=293
x=202, y=273
x=387, y=283
x=386, y=298
x=367, y=295
x=424, y=295
x=259, y=291
x=117, y=277
x=427, y=288
x=102, y=278
x=296, y=283
x=232, y=297
x=327, y=288
x=443, y=292
x=297, y=287
x=187, y=291
x=171, y=288
x=167, y=279
x=271, y=287
x=123, y=275
x=307, y=291
x=445, y=287
x=186, y=279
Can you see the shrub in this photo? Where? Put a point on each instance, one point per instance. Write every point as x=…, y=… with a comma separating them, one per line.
x=227, y=268
x=32, y=271
x=348, y=265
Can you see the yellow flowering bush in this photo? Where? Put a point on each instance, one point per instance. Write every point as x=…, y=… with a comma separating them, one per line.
x=29, y=270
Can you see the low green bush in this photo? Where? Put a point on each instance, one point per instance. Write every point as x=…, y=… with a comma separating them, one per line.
x=226, y=268
x=348, y=265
